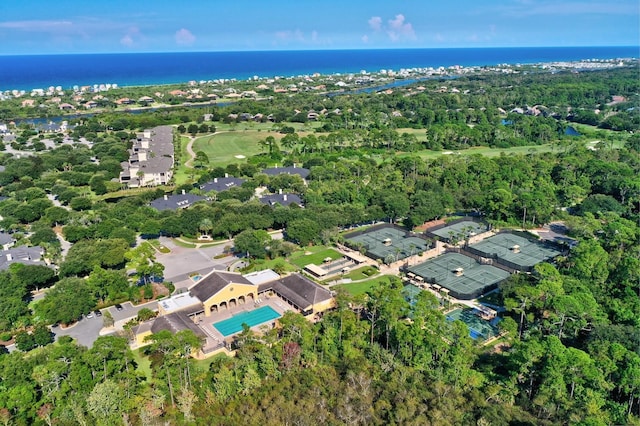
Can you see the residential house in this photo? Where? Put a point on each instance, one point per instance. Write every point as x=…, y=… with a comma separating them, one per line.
x=6, y=241
x=221, y=184
x=292, y=170
x=175, y=202
x=282, y=199
x=23, y=254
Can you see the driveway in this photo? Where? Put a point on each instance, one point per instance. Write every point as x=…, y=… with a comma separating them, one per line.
x=182, y=262
x=85, y=331
x=129, y=310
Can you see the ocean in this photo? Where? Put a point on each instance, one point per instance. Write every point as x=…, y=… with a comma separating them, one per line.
x=139, y=69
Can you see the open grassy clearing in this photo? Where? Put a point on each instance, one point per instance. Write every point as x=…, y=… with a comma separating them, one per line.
x=317, y=258
x=222, y=148
x=361, y=273
x=356, y=289
x=143, y=362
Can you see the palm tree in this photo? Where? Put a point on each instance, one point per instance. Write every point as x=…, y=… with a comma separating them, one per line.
x=206, y=226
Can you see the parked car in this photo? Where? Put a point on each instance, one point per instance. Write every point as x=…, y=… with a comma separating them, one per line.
x=119, y=307
x=98, y=312
x=90, y=315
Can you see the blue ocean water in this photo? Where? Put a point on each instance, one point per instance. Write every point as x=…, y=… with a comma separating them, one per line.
x=137, y=69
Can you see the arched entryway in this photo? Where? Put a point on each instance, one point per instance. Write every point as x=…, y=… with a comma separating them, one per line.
x=214, y=308
x=223, y=306
x=232, y=303
x=241, y=300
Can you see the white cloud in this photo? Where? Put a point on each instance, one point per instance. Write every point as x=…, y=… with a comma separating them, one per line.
x=375, y=23
x=365, y=38
x=126, y=41
x=398, y=29
x=289, y=35
x=184, y=37
x=37, y=25
x=131, y=37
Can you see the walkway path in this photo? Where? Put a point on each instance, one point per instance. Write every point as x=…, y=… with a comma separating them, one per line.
x=189, y=147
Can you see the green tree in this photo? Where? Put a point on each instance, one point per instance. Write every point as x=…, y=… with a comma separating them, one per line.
x=105, y=402
x=252, y=243
x=67, y=301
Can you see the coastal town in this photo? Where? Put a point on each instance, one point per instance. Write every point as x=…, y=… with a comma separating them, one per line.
x=212, y=240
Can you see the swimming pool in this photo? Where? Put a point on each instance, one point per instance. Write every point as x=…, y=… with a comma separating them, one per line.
x=251, y=318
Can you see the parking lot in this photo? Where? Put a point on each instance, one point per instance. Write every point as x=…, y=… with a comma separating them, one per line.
x=181, y=262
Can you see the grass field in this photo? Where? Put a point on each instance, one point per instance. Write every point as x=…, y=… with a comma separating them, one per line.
x=316, y=257
x=243, y=139
x=356, y=289
x=361, y=273
x=143, y=362
x=222, y=148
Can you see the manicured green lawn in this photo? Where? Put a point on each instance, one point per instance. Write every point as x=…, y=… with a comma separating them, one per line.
x=156, y=244
x=356, y=289
x=223, y=147
x=144, y=363
x=180, y=243
x=316, y=257
x=261, y=264
x=361, y=273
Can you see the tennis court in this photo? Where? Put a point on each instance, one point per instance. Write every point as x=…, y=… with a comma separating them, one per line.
x=460, y=230
x=461, y=275
x=251, y=318
x=514, y=251
x=478, y=328
x=384, y=242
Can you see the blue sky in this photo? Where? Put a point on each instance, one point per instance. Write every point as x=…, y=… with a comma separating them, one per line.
x=66, y=26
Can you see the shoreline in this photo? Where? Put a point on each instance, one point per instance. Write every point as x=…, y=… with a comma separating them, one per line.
x=249, y=66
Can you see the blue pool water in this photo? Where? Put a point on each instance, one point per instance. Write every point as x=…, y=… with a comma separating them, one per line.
x=251, y=318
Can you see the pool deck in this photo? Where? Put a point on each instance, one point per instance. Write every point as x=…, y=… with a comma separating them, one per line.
x=215, y=338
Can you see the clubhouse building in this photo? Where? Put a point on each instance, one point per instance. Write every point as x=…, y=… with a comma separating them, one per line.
x=218, y=305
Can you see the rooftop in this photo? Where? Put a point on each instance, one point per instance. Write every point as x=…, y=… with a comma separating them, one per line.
x=221, y=184
x=178, y=302
x=282, y=199
x=274, y=171
x=174, y=202
x=215, y=281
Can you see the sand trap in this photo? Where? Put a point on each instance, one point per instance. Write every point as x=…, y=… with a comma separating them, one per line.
x=240, y=156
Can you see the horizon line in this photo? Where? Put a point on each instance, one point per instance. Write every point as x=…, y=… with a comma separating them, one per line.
x=317, y=50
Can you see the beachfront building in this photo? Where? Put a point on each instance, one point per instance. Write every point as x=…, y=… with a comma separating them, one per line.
x=150, y=159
